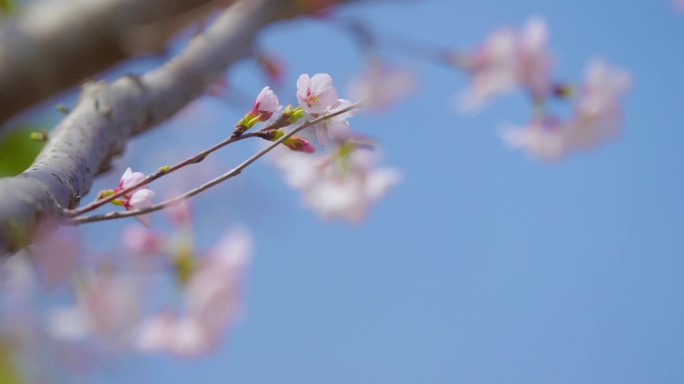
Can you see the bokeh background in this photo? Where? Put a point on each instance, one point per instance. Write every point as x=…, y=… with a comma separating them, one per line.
x=483, y=265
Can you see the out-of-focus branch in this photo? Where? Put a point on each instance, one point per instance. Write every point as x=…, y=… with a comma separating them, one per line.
x=107, y=114
x=54, y=45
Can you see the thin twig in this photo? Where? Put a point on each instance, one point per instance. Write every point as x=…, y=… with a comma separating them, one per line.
x=233, y=172
x=163, y=171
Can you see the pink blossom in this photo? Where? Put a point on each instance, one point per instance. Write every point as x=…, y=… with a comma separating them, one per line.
x=107, y=306
x=56, y=257
x=336, y=128
x=317, y=93
x=265, y=104
x=509, y=59
x=142, y=241
x=338, y=186
x=129, y=178
x=380, y=86
x=212, y=300
x=180, y=214
x=545, y=140
x=596, y=118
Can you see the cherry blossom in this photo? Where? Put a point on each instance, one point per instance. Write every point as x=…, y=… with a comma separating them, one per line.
x=142, y=241
x=541, y=139
x=596, y=117
x=212, y=301
x=107, y=306
x=341, y=185
x=336, y=128
x=266, y=104
x=56, y=257
x=317, y=93
x=509, y=59
x=380, y=86
x=129, y=178
x=139, y=198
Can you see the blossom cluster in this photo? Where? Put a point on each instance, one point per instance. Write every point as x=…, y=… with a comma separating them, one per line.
x=109, y=306
x=510, y=59
x=341, y=183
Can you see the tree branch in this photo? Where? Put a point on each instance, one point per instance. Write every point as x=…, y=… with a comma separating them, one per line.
x=55, y=45
x=83, y=144
x=232, y=173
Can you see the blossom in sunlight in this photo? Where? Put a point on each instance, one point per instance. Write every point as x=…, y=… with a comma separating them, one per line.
x=598, y=113
x=596, y=118
x=265, y=104
x=107, y=307
x=130, y=178
x=139, y=198
x=315, y=94
x=542, y=139
x=509, y=59
x=180, y=214
x=56, y=257
x=341, y=185
x=336, y=128
x=142, y=241
x=380, y=86
x=212, y=302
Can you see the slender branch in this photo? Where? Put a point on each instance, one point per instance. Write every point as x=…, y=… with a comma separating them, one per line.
x=163, y=171
x=198, y=158
x=106, y=115
x=232, y=173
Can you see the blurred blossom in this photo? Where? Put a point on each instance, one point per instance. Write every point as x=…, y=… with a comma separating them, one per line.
x=142, y=241
x=211, y=298
x=596, y=118
x=316, y=94
x=336, y=128
x=273, y=66
x=107, y=307
x=380, y=86
x=17, y=280
x=56, y=257
x=543, y=139
x=506, y=60
x=341, y=185
x=180, y=214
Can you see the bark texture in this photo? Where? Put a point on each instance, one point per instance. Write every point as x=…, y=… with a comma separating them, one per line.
x=107, y=114
x=56, y=44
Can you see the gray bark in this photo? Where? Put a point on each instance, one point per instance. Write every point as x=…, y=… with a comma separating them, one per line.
x=57, y=44
x=107, y=115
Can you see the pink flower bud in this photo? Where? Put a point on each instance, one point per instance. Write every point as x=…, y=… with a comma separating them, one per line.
x=265, y=104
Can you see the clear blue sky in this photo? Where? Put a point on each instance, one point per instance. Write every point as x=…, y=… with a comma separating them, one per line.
x=483, y=266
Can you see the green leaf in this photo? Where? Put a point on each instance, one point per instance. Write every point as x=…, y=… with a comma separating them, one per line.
x=8, y=370
x=6, y=7
x=17, y=151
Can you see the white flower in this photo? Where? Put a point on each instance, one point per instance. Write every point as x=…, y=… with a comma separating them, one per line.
x=380, y=86
x=317, y=93
x=266, y=104
x=107, y=306
x=509, y=59
x=212, y=299
x=339, y=186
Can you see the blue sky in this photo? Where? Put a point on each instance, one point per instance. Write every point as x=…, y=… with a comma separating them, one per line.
x=483, y=266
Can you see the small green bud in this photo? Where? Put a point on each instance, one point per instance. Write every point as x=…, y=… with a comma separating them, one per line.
x=41, y=136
